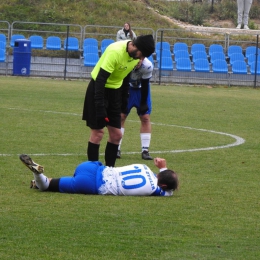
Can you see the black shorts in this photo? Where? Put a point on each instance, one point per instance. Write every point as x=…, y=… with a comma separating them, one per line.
x=112, y=101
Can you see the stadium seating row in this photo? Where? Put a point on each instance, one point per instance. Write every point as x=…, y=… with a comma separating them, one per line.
x=181, y=46
x=197, y=59
x=203, y=65
x=214, y=56
x=199, y=51
x=91, y=50
x=215, y=60
x=54, y=42
x=184, y=61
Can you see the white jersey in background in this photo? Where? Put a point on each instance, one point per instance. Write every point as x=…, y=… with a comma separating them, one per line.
x=144, y=72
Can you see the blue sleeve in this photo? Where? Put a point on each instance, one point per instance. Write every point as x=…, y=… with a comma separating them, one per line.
x=161, y=192
x=158, y=192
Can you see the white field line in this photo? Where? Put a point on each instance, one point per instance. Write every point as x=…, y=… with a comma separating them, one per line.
x=238, y=140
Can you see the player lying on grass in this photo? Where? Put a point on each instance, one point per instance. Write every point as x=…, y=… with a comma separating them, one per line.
x=92, y=177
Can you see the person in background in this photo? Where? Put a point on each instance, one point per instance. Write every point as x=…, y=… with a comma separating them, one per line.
x=95, y=178
x=243, y=8
x=140, y=98
x=107, y=93
x=126, y=33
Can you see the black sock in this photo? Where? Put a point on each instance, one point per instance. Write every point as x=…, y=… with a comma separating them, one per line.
x=110, y=154
x=54, y=185
x=93, y=151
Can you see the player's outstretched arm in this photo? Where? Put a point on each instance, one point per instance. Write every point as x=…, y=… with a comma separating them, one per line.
x=160, y=163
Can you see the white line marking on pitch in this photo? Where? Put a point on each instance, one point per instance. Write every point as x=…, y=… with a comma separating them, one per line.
x=238, y=140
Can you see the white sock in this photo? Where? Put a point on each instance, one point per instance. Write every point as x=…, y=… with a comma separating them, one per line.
x=145, y=141
x=42, y=181
x=122, y=131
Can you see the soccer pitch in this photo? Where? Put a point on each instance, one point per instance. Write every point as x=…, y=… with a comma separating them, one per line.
x=209, y=135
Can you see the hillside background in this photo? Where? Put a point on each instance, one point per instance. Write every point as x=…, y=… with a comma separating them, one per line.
x=82, y=12
x=140, y=13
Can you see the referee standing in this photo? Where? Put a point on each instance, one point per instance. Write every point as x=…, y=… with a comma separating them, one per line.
x=107, y=93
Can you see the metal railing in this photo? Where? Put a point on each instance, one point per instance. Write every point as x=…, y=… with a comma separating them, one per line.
x=69, y=64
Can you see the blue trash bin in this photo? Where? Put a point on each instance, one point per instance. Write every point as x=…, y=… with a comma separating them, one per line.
x=22, y=57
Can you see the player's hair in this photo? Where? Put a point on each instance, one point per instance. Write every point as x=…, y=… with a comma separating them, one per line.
x=169, y=178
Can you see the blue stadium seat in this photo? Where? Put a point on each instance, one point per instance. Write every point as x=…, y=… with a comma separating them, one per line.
x=197, y=47
x=90, y=49
x=36, y=42
x=201, y=65
x=251, y=50
x=163, y=46
x=252, y=58
x=105, y=43
x=53, y=43
x=252, y=68
x=16, y=37
x=3, y=39
x=234, y=49
x=215, y=48
x=73, y=44
x=166, y=64
x=180, y=46
x=220, y=66
x=236, y=57
x=165, y=53
x=217, y=56
x=2, y=45
x=199, y=55
x=183, y=64
x=90, y=41
x=239, y=67
x=2, y=55
x=91, y=59
x=181, y=54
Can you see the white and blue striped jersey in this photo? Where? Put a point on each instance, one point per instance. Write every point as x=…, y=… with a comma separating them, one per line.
x=144, y=72
x=131, y=180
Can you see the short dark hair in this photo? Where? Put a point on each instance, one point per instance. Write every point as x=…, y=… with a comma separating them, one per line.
x=168, y=178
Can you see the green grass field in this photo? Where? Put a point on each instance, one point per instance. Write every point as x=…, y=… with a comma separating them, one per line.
x=199, y=130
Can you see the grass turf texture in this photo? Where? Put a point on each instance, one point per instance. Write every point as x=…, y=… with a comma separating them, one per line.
x=214, y=215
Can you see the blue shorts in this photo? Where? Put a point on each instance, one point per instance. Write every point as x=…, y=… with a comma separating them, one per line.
x=86, y=179
x=135, y=99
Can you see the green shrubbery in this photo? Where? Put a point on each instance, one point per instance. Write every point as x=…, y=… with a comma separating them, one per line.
x=115, y=13
x=197, y=12
x=194, y=13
